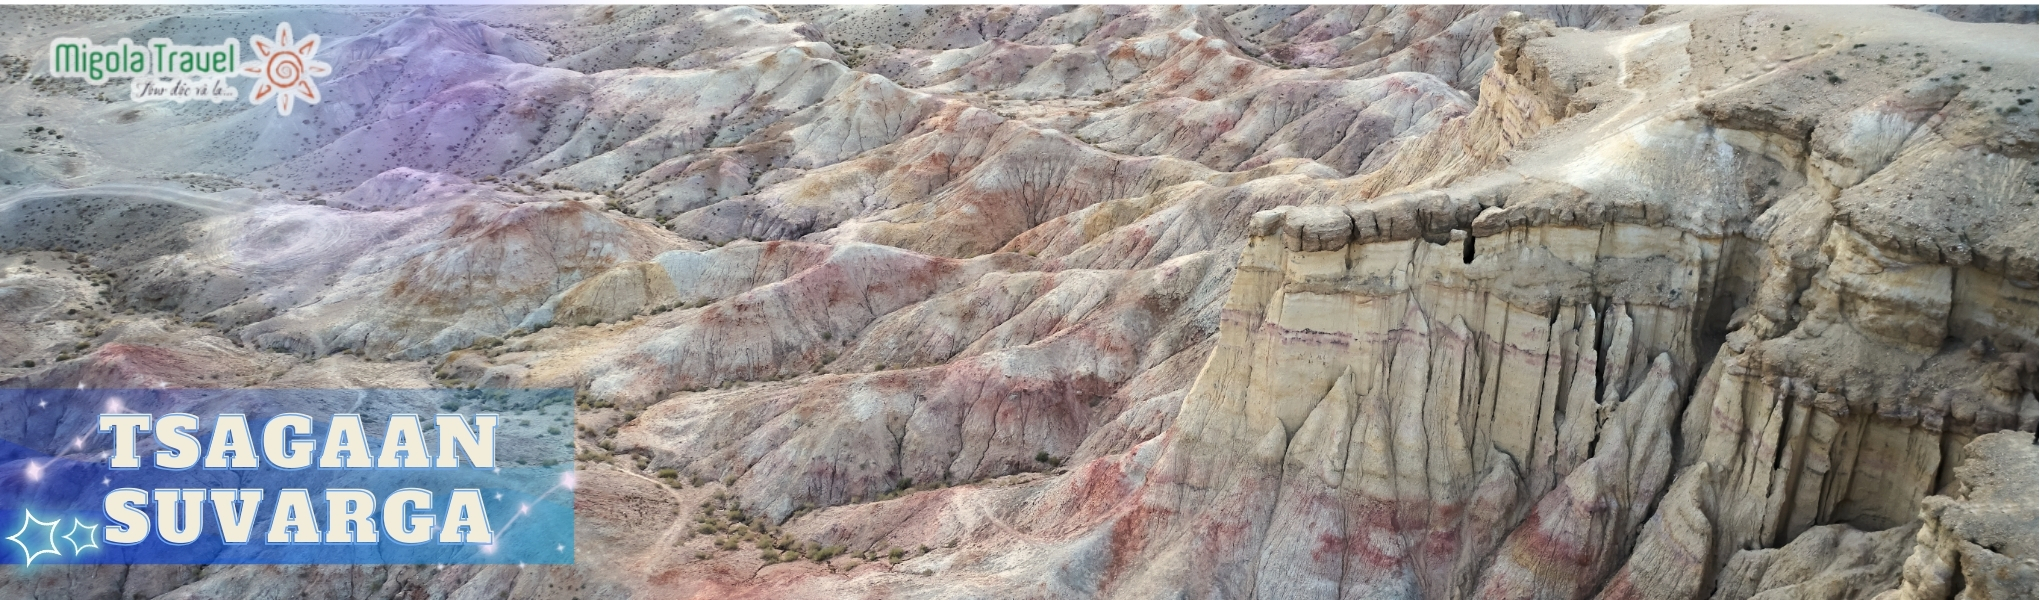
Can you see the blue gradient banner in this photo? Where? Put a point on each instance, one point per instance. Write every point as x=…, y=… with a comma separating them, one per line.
x=286, y=477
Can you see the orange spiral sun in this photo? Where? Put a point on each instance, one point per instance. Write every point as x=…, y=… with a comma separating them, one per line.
x=284, y=70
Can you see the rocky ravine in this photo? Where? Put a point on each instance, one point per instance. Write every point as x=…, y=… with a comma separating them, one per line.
x=1072, y=302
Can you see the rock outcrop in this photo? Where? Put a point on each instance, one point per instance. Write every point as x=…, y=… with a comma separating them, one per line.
x=1109, y=302
x=1978, y=542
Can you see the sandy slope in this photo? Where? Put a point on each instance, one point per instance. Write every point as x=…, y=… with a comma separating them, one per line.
x=1130, y=302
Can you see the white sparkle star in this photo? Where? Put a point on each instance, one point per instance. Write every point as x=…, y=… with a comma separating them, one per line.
x=50, y=527
x=91, y=537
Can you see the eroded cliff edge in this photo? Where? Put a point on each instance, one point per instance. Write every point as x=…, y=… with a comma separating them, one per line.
x=1718, y=286
x=1125, y=302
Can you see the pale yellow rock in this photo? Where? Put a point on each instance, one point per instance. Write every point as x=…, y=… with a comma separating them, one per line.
x=1979, y=542
x=619, y=293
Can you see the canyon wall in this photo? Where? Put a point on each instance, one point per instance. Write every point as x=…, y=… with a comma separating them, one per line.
x=1693, y=323
x=1109, y=302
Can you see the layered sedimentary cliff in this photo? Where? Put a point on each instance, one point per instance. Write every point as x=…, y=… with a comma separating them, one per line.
x=1150, y=302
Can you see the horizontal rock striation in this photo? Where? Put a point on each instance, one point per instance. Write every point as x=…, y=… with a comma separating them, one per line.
x=1108, y=302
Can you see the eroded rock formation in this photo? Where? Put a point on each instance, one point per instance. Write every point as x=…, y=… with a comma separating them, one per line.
x=1121, y=302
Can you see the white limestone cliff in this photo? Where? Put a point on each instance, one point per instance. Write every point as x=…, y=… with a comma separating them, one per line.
x=1112, y=302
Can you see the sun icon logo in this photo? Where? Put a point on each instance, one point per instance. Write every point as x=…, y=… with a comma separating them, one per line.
x=285, y=70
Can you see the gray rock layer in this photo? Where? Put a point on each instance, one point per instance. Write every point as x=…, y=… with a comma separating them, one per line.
x=1103, y=302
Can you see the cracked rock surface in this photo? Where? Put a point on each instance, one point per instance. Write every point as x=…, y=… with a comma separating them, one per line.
x=1097, y=301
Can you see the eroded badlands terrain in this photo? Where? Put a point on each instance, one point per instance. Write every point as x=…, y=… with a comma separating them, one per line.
x=1101, y=302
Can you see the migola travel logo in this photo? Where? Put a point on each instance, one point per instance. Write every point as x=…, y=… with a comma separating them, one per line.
x=286, y=70
x=283, y=68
